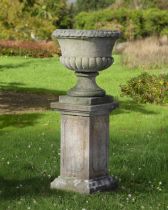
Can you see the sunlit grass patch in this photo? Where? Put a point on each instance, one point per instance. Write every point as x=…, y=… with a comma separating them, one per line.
x=30, y=145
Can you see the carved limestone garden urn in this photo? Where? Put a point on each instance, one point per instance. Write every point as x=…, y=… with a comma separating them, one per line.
x=85, y=112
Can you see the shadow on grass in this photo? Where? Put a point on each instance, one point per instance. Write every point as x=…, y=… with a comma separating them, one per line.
x=124, y=106
x=21, y=87
x=35, y=186
x=16, y=98
x=13, y=66
x=131, y=106
x=20, y=120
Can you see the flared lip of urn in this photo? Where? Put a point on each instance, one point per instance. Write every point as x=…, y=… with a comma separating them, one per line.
x=74, y=33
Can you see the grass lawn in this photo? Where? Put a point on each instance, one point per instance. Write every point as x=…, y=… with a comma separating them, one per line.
x=29, y=144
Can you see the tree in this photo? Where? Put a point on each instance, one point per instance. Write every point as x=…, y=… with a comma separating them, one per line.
x=143, y=4
x=88, y=5
x=21, y=18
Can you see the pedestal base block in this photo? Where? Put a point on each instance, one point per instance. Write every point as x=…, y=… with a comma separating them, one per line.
x=99, y=184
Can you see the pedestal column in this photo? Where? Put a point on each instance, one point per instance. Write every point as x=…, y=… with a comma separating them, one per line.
x=84, y=147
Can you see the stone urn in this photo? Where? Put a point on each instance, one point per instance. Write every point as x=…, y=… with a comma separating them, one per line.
x=85, y=112
x=86, y=52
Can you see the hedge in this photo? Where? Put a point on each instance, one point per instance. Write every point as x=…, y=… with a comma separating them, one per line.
x=132, y=23
x=29, y=48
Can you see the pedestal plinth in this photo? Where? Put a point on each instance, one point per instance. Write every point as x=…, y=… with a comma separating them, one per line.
x=84, y=146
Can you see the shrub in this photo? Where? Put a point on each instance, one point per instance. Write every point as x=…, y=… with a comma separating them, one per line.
x=29, y=48
x=147, y=88
x=165, y=32
x=148, y=53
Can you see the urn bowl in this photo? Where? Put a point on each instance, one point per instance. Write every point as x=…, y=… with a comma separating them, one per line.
x=86, y=50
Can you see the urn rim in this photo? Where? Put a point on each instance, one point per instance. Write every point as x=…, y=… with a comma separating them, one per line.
x=75, y=33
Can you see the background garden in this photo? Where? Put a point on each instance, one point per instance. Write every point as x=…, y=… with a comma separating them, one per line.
x=31, y=77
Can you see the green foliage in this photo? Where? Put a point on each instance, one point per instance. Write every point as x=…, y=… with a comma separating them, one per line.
x=89, y=5
x=144, y=4
x=21, y=18
x=132, y=23
x=155, y=21
x=165, y=32
x=147, y=88
x=92, y=5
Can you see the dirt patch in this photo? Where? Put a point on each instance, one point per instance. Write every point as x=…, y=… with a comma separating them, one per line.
x=17, y=102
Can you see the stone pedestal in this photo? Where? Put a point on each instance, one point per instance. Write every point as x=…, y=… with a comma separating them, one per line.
x=84, y=145
x=85, y=111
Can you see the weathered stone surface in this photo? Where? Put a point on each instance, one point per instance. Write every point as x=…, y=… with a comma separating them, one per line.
x=73, y=33
x=86, y=86
x=86, y=64
x=84, y=110
x=86, y=100
x=84, y=148
x=106, y=183
x=86, y=52
x=84, y=144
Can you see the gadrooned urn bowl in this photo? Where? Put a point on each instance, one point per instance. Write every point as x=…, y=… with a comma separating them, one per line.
x=86, y=50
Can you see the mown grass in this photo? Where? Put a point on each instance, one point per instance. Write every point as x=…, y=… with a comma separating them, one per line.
x=30, y=143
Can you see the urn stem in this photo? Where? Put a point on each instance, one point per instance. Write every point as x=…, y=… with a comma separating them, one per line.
x=86, y=86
